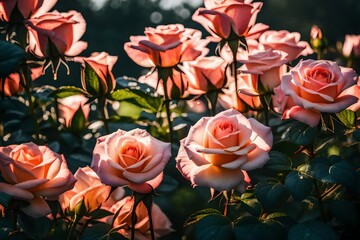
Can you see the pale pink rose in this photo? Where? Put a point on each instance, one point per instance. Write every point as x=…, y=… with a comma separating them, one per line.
x=224, y=18
x=70, y=105
x=33, y=173
x=133, y=158
x=218, y=149
x=27, y=8
x=88, y=189
x=287, y=42
x=351, y=45
x=166, y=46
x=269, y=64
x=356, y=107
x=207, y=73
x=161, y=224
x=102, y=63
x=55, y=34
x=319, y=87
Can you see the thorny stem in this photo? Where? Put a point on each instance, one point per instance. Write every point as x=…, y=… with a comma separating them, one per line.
x=168, y=113
x=227, y=203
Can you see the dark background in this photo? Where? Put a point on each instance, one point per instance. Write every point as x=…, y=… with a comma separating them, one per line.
x=111, y=26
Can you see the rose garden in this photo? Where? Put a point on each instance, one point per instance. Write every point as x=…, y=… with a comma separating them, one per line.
x=244, y=132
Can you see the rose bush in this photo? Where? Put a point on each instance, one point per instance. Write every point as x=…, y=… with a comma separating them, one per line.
x=319, y=87
x=34, y=173
x=134, y=158
x=218, y=149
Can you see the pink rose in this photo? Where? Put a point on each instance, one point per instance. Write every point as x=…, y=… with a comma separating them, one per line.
x=102, y=64
x=227, y=55
x=88, y=190
x=319, y=86
x=207, y=73
x=161, y=224
x=27, y=8
x=218, y=149
x=70, y=105
x=133, y=158
x=268, y=64
x=224, y=18
x=32, y=173
x=287, y=42
x=351, y=46
x=166, y=46
x=55, y=34
x=356, y=107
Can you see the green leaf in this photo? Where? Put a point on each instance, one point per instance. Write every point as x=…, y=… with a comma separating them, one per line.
x=298, y=185
x=252, y=206
x=347, y=117
x=78, y=122
x=93, y=83
x=300, y=133
x=278, y=161
x=37, y=227
x=197, y=216
x=100, y=213
x=344, y=173
x=213, y=227
x=249, y=227
x=139, y=98
x=11, y=55
x=344, y=211
x=271, y=193
x=319, y=168
x=4, y=199
x=313, y=230
x=67, y=91
x=356, y=135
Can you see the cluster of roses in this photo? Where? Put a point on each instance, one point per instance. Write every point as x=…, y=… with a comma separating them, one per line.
x=217, y=151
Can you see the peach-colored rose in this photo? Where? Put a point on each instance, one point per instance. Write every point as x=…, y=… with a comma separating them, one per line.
x=27, y=8
x=161, y=224
x=207, y=73
x=102, y=63
x=269, y=64
x=319, y=86
x=287, y=42
x=166, y=46
x=70, y=105
x=55, y=34
x=11, y=85
x=132, y=158
x=218, y=149
x=88, y=189
x=222, y=18
x=32, y=173
x=351, y=45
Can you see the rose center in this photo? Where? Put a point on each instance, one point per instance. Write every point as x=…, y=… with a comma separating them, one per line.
x=27, y=156
x=223, y=129
x=319, y=74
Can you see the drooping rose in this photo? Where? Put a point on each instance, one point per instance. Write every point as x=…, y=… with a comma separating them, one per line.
x=161, y=224
x=27, y=8
x=166, y=46
x=222, y=19
x=88, y=190
x=319, y=87
x=133, y=158
x=287, y=42
x=33, y=173
x=351, y=46
x=102, y=64
x=54, y=34
x=70, y=105
x=207, y=73
x=218, y=149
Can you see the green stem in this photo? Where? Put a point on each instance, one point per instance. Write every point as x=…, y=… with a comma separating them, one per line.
x=103, y=113
x=152, y=232
x=233, y=70
x=168, y=112
x=73, y=227
x=227, y=203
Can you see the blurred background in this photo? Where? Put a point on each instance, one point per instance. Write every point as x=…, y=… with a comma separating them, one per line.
x=110, y=23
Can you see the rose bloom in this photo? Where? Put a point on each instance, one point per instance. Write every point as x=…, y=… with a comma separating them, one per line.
x=319, y=87
x=224, y=18
x=287, y=42
x=227, y=55
x=166, y=46
x=132, y=158
x=161, y=224
x=27, y=8
x=268, y=64
x=70, y=105
x=351, y=46
x=207, y=74
x=218, y=149
x=55, y=34
x=32, y=173
x=102, y=63
x=88, y=189
x=356, y=107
